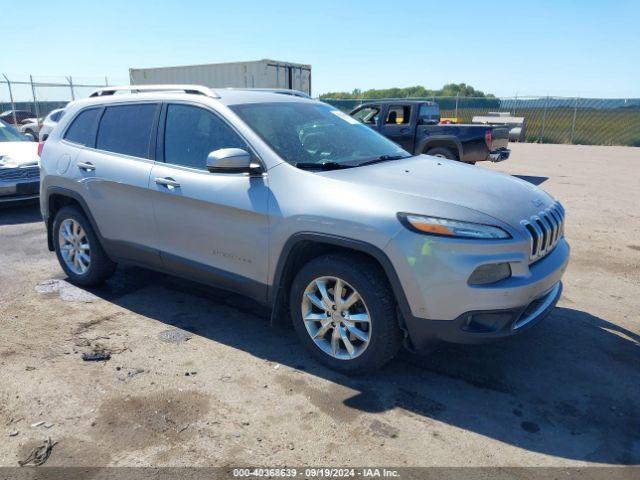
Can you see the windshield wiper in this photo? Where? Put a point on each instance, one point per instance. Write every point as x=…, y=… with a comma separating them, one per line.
x=382, y=158
x=321, y=166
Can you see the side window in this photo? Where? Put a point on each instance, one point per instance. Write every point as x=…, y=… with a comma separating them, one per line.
x=126, y=129
x=82, y=127
x=398, y=115
x=191, y=133
x=367, y=115
x=428, y=115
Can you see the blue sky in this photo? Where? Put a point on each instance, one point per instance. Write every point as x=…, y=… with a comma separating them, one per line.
x=585, y=48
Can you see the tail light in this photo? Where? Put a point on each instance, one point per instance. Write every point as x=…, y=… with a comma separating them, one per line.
x=488, y=139
x=40, y=145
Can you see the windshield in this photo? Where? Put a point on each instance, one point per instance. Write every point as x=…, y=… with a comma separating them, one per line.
x=306, y=134
x=10, y=134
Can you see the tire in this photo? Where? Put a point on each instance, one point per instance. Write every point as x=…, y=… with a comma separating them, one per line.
x=100, y=266
x=360, y=275
x=443, y=152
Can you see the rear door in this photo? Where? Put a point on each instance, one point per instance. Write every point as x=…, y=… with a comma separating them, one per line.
x=396, y=125
x=114, y=167
x=211, y=226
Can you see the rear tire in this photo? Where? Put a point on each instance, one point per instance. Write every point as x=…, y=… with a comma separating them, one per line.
x=372, y=317
x=78, y=249
x=442, y=152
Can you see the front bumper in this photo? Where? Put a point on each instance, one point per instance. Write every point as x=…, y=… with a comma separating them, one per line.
x=13, y=191
x=499, y=155
x=482, y=326
x=433, y=274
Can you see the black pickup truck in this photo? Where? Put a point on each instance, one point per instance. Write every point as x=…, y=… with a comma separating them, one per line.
x=415, y=126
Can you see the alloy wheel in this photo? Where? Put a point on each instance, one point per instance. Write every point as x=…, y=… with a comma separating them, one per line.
x=336, y=318
x=74, y=246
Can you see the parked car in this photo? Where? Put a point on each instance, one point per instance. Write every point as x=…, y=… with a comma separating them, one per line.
x=415, y=126
x=50, y=121
x=31, y=129
x=40, y=129
x=301, y=207
x=19, y=171
x=16, y=117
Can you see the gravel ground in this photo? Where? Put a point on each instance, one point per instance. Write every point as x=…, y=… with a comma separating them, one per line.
x=198, y=377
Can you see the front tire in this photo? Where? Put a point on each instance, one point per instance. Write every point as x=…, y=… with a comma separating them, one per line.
x=78, y=249
x=344, y=313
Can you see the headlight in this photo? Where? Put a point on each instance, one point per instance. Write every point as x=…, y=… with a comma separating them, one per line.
x=451, y=228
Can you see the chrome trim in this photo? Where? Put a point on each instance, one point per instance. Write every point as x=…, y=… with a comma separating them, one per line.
x=548, y=228
x=551, y=296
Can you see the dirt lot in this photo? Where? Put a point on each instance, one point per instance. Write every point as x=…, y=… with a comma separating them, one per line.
x=227, y=389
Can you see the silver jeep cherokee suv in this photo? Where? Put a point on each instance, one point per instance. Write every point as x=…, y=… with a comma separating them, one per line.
x=292, y=202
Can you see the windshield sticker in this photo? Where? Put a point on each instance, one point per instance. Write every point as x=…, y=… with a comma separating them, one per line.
x=345, y=117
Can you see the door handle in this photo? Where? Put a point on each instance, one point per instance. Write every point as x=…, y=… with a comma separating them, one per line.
x=167, y=182
x=86, y=166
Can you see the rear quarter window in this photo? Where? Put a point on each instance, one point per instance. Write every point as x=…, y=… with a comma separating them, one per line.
x=126, y=129
x=56, y=116
x=82, y=128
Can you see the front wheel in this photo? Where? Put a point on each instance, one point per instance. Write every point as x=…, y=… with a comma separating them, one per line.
x=344, y=313
x=78, y=249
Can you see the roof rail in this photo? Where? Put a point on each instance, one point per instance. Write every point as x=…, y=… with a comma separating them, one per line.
x=192, y=89
x=282, y=91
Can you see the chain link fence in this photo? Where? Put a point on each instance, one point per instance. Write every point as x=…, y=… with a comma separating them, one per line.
x=40, y=95
x=581, y=121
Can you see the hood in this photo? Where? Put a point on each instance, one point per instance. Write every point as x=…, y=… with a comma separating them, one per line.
x=498, y=195
x=18, y=154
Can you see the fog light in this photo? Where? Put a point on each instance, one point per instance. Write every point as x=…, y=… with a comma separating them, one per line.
x=490, y=273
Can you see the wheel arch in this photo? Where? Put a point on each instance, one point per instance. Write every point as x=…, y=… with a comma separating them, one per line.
x=302, y=247
x=59, y=197
x=445, y=141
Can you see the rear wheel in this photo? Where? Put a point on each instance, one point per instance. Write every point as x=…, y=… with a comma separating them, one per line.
x=78, y=249
x=344, y=313
x=442, y=152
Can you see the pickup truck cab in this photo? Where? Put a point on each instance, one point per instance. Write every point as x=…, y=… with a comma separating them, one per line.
x=414, y=125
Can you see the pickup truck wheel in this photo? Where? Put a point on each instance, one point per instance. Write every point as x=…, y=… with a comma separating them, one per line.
x=78, y=249
x=344, y=313
x=442, y=152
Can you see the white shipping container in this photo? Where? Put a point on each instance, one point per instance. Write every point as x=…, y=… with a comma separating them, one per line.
x=258, y=74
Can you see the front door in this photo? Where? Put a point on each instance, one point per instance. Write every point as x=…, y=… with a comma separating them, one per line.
x=369, y=115
x=211, y=226
x=396, y=126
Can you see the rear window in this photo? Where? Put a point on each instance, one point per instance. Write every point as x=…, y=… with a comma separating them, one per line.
x=83, y=126
x=126, y=129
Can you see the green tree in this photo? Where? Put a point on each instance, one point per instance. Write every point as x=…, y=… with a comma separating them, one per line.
x=418, y=91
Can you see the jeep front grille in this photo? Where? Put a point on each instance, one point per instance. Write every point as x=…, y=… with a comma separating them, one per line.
x=544, y=229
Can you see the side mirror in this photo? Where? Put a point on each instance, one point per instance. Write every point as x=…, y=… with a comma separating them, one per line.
x=30, y=137
x=232, y=160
